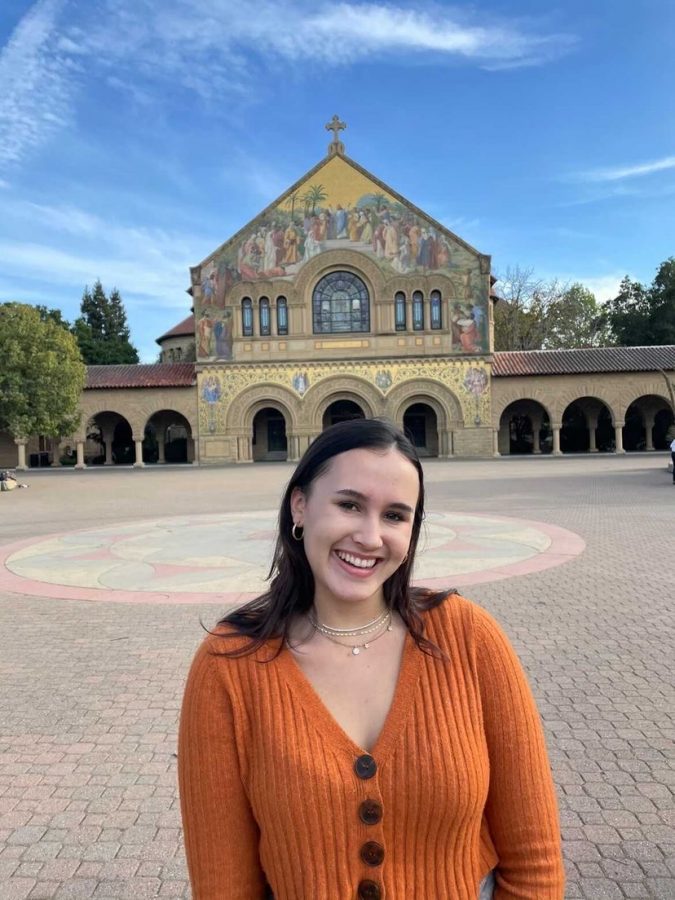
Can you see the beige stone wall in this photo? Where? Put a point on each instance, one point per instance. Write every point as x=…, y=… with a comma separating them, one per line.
x=137, y=406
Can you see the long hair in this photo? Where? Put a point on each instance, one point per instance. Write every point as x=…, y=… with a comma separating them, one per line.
x=291, y=590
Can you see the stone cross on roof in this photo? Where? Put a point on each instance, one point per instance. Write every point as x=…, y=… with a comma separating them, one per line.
x=336, y=145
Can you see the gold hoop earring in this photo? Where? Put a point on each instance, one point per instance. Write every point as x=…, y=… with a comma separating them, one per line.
x=298, y=532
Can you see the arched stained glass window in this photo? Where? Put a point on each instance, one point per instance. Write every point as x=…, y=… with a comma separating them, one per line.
x=282, y=315
x=247, y=317
x=264, y=309
x=436, y=314
x=340, y=303
x=399, y=310
x=418, y=311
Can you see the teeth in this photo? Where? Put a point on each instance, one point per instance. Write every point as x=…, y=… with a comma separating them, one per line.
x=355, y=561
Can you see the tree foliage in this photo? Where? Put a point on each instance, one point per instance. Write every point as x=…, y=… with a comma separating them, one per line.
x=42, y=374
x=641, y=316
x=534, y=314
x=102, y=331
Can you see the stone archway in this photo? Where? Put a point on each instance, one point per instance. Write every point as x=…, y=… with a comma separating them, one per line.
x=524, y=428
x=269, y=437
x=420, y=423
x=168, y=438
x=109, y=440
x=640, y=431
x=342, y=410
x=587, y=427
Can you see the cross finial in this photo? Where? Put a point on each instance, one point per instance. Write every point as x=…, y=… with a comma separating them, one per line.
x=336, y=145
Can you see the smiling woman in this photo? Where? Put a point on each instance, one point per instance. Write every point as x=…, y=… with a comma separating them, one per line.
x=390, y=729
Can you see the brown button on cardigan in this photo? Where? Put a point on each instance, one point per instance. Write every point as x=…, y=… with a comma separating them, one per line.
x=269, y=790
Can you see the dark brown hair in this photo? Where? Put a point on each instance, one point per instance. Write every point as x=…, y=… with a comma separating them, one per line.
x=291, y=590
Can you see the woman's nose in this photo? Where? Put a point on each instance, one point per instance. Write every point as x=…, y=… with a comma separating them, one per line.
x=369, y=534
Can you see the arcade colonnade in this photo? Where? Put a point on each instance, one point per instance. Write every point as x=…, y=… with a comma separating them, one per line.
x=618, y=412
x=196, y=422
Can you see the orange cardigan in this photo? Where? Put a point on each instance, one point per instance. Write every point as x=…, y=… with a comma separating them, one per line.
x=272, y=789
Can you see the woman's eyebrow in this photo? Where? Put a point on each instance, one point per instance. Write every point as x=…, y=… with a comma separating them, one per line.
x=357, y=495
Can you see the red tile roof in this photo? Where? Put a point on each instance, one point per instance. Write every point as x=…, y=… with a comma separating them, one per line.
x=156, y=375
x=583, y=362
x=185, y=328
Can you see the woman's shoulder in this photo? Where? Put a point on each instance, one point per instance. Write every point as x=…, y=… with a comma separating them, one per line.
x=227, y=649
x=457, y=619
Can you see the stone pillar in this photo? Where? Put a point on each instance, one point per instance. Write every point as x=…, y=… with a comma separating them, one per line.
x=244, y=448
x=592, y=426
x=495, y=442
x=444, y=443
x=556, y=440
x=160, y=449
x=139, y=453
x=293, y=454
x=79, y=449
x=649, y=424
x=618, y=439
x=20, y=453
x=107, y=435
x=536, y=440
x=191, y=456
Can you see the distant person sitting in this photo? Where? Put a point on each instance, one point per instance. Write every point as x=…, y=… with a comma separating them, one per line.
x=8, y=482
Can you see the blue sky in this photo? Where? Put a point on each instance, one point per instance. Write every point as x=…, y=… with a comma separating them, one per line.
x=137, y=135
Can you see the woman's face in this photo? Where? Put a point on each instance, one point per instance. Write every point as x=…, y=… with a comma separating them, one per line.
x=357, y=520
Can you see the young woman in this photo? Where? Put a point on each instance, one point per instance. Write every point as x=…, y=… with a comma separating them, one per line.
x=348, y=736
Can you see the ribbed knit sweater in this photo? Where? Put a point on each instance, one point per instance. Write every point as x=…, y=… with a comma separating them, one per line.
x=458, y=783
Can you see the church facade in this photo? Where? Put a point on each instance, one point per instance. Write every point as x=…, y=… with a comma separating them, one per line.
x=342, y=299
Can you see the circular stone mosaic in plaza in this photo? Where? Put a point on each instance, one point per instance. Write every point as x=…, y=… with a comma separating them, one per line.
x=224, y=558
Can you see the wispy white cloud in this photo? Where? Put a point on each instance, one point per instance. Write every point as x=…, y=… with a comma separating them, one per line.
x=220, y=49
x=618, y=173
x=149, y=264
x=36, y=83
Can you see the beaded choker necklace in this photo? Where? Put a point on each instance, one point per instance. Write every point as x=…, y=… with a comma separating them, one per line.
x=381, y=624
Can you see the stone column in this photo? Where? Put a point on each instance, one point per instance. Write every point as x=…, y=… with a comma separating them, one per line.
x=536, y=438
x=618, y=439
x=160, y=449
x=495, y=442
x=244, y=448
x=107, y=435
x=79, y=450
x=444, y=443
x=556, y=440
x=139, y=453
x=191, y=456
x=293, y=443
x=649, y=424
x=592, y=426
x=20, y=453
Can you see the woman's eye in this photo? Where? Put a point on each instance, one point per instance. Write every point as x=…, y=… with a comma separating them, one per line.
x=396, y=517
x=347, y=504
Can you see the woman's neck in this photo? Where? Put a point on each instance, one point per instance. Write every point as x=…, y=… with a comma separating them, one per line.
x=336, y=614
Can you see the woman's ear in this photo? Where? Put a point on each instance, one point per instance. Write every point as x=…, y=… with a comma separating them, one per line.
x=298, y=506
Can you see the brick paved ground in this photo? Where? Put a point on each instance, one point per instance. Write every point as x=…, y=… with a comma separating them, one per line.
x=89, y=692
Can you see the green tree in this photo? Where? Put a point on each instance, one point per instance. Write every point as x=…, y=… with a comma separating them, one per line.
x=42, y=374
x=102, y=331
x=574, y=319
x=641, y=316
x=52, y=315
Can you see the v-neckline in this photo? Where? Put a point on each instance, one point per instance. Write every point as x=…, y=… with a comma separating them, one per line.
x=327, y=724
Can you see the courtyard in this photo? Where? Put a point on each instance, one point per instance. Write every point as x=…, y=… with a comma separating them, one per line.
x=106, y=576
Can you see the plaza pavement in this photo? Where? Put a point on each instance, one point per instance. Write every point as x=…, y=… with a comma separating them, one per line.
x=90, y=691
